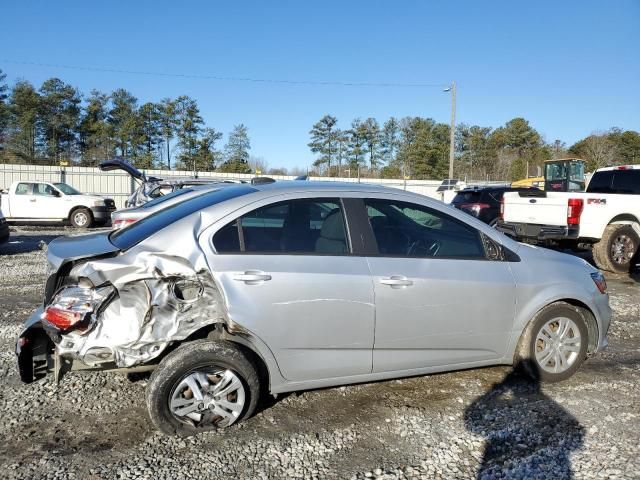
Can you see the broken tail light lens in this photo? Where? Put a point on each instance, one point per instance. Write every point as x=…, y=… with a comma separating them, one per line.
x=599, y=280
x=73, y=305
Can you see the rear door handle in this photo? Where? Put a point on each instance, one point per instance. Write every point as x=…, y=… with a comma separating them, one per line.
x=32, y=200
x=396, y=281
x=252, y=277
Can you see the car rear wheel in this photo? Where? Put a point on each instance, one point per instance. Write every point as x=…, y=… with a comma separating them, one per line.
x=554, y=344
x=81, y=218
x=202, y=385
x=617, y=248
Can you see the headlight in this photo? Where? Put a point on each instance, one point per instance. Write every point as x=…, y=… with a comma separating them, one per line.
x=599, y=280
x=99, y=203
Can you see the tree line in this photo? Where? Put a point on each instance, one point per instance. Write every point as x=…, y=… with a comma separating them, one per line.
x=57, y=123
x=418, y=148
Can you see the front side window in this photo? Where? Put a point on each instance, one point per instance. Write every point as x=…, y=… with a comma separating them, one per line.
x=410, y=230
x=43, y=189
x=302, y=226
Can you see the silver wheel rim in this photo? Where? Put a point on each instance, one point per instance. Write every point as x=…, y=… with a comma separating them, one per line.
x=558, y=345
x=622, y=249
x=80, y=219
x=208, y=397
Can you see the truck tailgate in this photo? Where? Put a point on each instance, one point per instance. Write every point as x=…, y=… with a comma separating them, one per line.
x=549, y=210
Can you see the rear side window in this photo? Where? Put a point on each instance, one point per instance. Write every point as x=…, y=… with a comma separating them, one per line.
x=301, y=226
x=142, y=229
x=626, y=181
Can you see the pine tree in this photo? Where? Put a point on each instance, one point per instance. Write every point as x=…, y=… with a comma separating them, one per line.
x=168, y=124
x=323, y=140
x=60, y=115
x=236, y=151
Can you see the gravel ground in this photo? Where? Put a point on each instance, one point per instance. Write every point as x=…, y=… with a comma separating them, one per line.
x=485, y=423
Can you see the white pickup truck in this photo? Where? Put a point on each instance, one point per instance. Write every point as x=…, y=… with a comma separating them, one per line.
x=43, y=202
x=606, y=217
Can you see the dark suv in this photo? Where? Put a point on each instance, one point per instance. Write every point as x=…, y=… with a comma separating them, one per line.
x=483, y=203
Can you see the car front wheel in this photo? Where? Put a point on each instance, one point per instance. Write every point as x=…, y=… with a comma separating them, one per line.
x=202, y=385
x=555, y=343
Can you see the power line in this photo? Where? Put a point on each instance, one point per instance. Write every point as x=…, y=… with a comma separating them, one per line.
x=231, y=78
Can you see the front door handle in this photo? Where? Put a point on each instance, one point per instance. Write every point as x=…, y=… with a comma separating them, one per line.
x=396, y=281
x=32, y=200
x=252, y=277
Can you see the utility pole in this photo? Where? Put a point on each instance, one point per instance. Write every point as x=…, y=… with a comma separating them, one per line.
x=452, y=138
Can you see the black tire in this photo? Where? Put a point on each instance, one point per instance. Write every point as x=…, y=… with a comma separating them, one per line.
x=81, y=218
x=605, y=254
x=186, y=359
x=525, y=358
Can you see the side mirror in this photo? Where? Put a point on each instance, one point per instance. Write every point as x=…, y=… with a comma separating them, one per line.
x=55, y=193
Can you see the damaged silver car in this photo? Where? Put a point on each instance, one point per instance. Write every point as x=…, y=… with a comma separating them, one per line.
x=249, y=289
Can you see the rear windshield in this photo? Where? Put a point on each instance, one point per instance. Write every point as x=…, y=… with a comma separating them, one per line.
x=142, y=229
x=467, y=197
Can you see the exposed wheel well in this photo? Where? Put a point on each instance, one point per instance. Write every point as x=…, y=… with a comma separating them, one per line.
x=217, y=331
x=625, y=218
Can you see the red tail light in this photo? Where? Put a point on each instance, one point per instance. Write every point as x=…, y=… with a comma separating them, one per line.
x=574, y=210
x=63, y=319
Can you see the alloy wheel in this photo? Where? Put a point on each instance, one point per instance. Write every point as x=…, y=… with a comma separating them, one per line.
x=557, y=345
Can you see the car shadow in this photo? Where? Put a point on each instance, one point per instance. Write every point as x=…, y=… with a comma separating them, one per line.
x=18, y=243
x=527, y=434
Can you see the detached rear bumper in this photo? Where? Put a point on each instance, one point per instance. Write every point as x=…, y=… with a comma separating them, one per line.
x=34, y=349
x=539, y=232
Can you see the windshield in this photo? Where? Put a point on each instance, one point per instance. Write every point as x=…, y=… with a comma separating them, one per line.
x=67, y=189
x=143, y=229
x=164, y=198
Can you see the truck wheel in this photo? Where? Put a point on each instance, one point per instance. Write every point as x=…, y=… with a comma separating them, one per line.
x=554, y=344
x=81, y=218
x=202, y=385
x=616, y=248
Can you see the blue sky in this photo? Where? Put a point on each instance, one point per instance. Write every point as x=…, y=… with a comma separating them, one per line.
x=569, y=67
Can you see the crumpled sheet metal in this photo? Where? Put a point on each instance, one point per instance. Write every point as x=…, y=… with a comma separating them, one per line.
x=145, y=315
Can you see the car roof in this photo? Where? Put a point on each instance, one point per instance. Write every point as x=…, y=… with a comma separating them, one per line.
x=328, y=186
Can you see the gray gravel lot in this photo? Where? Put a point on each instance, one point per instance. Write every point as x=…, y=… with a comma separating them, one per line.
x=486, y=423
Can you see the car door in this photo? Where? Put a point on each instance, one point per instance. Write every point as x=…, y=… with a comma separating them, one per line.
x=23, y=202
x=50, y=202
x=288, y=276
x=439, y=300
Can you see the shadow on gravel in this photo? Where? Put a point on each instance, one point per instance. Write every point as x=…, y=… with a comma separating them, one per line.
x=24, y=243
x=528, y=435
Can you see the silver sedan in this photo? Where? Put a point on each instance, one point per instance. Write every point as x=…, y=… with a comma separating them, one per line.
x=298, y=285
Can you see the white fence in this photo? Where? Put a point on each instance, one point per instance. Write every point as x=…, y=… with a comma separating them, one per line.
x=119, y=185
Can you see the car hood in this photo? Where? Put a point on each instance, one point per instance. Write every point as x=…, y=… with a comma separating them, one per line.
x=75, y=247
x=532, y=252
